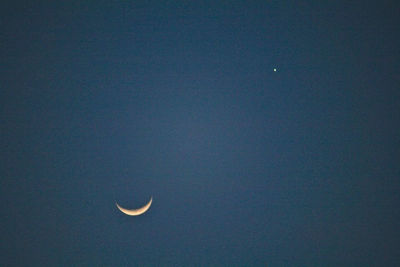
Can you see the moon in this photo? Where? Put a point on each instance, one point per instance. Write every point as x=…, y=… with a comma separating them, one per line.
x=135, y=212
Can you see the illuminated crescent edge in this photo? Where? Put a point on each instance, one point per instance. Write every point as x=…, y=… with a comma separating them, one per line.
x=135, y=212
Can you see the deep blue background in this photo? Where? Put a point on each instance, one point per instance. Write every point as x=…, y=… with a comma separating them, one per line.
x=122, y=100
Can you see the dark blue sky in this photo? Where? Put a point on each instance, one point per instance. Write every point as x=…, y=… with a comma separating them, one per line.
x=118, y=101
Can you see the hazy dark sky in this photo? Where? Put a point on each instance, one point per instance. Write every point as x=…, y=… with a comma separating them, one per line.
x=122, y=100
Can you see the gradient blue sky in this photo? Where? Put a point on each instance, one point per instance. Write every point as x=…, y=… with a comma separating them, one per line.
x=105, y=101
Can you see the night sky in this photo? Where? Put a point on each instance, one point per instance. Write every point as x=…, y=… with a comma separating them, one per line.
x=117, y=101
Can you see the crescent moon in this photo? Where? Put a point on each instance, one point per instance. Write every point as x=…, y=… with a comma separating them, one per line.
x=135, y=212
